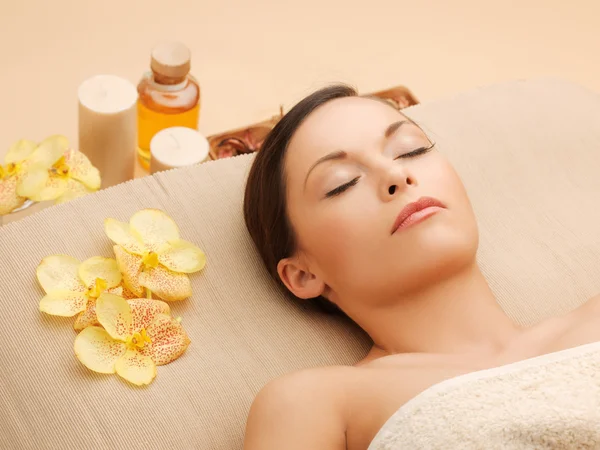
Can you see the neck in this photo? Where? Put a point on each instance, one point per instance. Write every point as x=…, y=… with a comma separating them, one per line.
x=455, y=315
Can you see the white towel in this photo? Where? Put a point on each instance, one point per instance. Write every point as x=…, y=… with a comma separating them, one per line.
x=547, y=402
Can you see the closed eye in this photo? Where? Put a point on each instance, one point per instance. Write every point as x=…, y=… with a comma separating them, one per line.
x=416, y=152
x=338, y=190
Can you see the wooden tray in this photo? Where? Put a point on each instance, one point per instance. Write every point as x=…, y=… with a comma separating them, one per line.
x=249, y=139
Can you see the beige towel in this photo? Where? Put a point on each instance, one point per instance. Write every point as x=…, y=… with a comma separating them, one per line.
x=548, y=402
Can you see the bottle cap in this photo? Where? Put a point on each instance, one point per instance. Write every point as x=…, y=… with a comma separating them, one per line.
x=171, y=59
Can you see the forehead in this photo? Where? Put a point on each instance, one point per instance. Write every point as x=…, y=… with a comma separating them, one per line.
x=351, y=124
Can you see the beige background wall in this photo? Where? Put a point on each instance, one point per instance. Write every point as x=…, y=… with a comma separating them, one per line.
x=252, y=55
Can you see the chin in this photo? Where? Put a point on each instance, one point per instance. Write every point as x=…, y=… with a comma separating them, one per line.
x=435, y=255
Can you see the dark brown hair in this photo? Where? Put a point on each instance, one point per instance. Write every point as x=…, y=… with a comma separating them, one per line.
x=265, y=210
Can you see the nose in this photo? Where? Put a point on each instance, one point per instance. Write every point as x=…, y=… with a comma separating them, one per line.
x=394, y=181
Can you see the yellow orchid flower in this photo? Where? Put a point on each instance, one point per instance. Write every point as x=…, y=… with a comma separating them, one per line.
x=72, y=287
x=11, y=173
x=9, y=200
x=138, y=335
x=56, y=172
x=151, y=255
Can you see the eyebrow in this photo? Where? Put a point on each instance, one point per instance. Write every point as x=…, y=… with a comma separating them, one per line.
x=393, y=128
x=341, y=154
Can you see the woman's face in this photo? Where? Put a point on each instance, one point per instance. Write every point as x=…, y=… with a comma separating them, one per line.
x=351, y=168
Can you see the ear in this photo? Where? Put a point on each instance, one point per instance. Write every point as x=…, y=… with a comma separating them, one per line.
x=298, y=279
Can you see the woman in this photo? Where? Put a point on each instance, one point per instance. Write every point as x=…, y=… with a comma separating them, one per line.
x=352, y=206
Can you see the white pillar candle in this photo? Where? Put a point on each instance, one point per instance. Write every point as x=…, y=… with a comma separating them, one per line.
x=177, y=147
x=108, y=126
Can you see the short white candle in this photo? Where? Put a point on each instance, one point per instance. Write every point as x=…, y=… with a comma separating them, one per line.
x=108, y=126
x=177, y=147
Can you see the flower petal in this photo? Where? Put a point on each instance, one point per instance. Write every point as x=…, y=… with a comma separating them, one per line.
x=144, y=311
x=169, y=340
x=73, y=190
x=136, y=368
x=49, y=151
x=167, y=285
x=127, y=294
x=19, y=151
x=63, y=303
x=120, y=233
x=99, y=267
x=114, y=314
x=32, y=181
x=97, y=350
x=130, y=266
x=39, y=186
x=154, y=228
x=117, y=291
x=183, y=256
x=88, y=317
x=83, y=170
x=9, y=200
x=59, y=272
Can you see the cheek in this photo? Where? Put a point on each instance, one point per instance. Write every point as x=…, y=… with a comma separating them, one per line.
x=340, y=234
x=444, y=183
x=336, y=227
x=441, y=180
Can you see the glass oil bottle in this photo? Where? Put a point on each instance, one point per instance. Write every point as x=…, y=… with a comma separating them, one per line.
x=169, y=96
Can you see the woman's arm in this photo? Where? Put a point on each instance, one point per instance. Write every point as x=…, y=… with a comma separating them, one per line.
x=297, y=412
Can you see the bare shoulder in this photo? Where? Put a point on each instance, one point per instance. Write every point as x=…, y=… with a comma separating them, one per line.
x=592, y=306
x=300, y=410
x=593, y=303
x=577, y=327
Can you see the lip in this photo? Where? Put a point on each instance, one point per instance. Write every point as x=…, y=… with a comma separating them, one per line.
x=416, y=212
